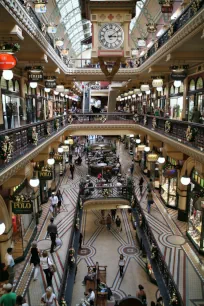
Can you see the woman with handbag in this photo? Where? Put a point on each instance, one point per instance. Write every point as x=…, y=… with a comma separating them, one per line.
x=35, y=259
x=47, y=266
x=49, y=298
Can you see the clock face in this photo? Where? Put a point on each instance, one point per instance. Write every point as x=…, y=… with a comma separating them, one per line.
x=111, y=36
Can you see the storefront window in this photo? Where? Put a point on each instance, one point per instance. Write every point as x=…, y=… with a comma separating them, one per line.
x=196, y=211
x=169, y=183
x=192, y=85
x=199, y=83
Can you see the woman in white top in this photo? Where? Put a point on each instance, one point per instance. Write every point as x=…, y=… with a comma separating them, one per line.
x=121, y=264
x=49, y=298
x=45, y=264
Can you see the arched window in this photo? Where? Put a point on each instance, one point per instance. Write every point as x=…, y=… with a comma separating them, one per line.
x=3, y=83
x=10, y=85
x=192, y=85
x=181, y=87
x=26, y=88
x=199, y=83
x=172, y=90
x=165, y=91
x=17, y=87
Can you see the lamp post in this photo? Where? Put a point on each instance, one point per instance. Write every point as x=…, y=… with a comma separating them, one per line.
x=161, y=161
x=34, y=183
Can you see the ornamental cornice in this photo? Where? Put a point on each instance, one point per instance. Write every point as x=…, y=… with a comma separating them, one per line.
x=19, y=13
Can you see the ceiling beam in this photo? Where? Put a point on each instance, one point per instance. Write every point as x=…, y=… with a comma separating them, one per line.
x=185, y=56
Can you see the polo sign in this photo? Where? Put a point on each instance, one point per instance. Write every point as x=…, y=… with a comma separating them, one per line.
x=45, y=175
x=7, y=61
x=58, y=158
x=22, y=207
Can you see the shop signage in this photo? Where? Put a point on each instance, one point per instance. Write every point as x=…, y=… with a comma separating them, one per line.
x=21, y=206
x=50, y=84
x=35, y=76
x=45, y=175
x=178, y=75
x=65, y=148
x=58, y=158
x=157, y=83
x=152, y=157
x=140, y=148
x=7, y=61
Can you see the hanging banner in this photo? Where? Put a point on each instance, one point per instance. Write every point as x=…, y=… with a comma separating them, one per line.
x=22, y=206
x=7, y=61
x=178, y=76
x=35, y=76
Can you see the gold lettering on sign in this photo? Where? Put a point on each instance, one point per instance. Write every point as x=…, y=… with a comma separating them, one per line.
x=22, y=205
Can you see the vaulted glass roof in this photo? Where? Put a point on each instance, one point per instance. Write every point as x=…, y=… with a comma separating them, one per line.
x=77, y=29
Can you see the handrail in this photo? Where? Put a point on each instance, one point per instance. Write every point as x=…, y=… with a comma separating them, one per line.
x=171, y=286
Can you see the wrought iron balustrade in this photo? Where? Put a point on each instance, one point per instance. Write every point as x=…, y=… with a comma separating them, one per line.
x=190, y=11
x=107, y=192
x=100, y=118
x=186, y=132
x=171, y=286
x=18, y=141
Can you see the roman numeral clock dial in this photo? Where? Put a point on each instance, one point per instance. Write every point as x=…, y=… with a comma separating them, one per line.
x=111, y=36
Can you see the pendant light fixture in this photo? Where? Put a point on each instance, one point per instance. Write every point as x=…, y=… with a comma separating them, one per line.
x=177, y=84
x=2, y=227
x=34, y=181
x=33, y=84
x=147, y=149
x=47, y=89
x=51, y=160
x=161, y=160
x=159, y=89
x=7, y=75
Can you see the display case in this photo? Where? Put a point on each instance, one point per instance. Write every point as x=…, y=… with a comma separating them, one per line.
x=168, y=194
x=195, y=229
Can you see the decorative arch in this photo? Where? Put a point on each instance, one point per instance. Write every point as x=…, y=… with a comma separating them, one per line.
x=17, y=86
x=3, y=84
x=192, y=85
x=5, y=214
x=10, y=85
x=199, y=83
x=172, y=90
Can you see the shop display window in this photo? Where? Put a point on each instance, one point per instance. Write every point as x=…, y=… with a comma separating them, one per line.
x=169, y=183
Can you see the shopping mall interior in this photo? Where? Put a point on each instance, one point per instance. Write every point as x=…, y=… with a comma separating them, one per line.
x=101, y=152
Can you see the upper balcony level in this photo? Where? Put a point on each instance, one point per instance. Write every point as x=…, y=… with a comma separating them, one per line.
x=19, y=146
x=188, y=24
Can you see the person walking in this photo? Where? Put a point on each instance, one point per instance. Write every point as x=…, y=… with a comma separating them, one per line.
x=196, y=115
x=118, y=223
x=70, y=157
x=121, y=264
x=52, y=232
x=76, y=151
x=60, y=199
x=108, y=222
x=49, y=298
x=132, y=167
x=80, y=240
x=21, y=301
x=35, y=259
x=72, y=168
x=149, y=201
x=142, y=295
x=150, y=185
x=54, y=202
x=9, y=297
x=46, y=262
x=113, y=213
x=141, y=184
x=10, y=265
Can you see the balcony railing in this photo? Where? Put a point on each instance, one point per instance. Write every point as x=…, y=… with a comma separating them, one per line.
x=182, y=20
x=14, y=143
x=188, y=133
x=24, y=139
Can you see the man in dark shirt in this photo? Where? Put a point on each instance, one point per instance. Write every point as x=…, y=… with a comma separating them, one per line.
x=52, y=232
